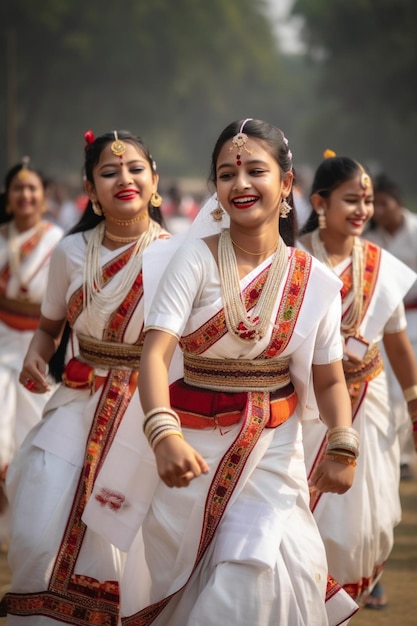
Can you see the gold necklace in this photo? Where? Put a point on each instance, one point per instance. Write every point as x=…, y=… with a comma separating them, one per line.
x=268, y=252
x=132, y=220
x=121, y=239
x=254, y=324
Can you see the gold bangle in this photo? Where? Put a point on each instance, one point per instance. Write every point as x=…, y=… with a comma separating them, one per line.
x=410, y=393
x=163, y=435
x=341, y=458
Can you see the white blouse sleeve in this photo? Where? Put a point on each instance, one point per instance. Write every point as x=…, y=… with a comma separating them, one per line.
x=397, y=321
x=328, y=347
x=54, y=305
x=180, y=287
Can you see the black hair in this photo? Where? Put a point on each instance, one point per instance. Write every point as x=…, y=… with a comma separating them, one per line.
x=10, y=175
x=89, y=220
x=277, y=145
x=330, y=174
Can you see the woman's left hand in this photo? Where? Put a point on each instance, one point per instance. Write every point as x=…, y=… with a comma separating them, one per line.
x=332, y=476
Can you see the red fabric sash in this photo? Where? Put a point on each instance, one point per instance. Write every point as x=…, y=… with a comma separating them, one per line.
x=202, y=408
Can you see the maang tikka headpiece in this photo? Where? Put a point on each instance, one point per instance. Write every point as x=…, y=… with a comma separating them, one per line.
x=25, y=168
x=239, y=142
x=118, y=146
x=365, y=178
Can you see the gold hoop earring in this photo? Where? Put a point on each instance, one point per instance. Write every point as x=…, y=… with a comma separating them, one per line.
x=97, y=208
x=284, y=209
x=322, y=218
x=156, y=199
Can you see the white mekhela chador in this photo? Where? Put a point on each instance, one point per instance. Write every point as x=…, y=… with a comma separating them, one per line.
x=357, y=527
x=24, y=264
x=61, y=571
x=239, y=542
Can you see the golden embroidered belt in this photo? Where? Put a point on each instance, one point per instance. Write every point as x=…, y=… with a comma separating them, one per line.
x=236, y=374
x=201, y=408
x=19, y=314
x=109, y=354
x=371, y=366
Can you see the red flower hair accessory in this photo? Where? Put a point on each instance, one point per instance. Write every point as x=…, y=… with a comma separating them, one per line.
x=89, y=137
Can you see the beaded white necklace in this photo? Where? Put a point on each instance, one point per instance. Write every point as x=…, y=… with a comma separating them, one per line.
x=352, y=318
x=254, y=324
x=110, y=299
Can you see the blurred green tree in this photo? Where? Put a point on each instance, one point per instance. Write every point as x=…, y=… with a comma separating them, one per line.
x=365, y=52
x=176, y=72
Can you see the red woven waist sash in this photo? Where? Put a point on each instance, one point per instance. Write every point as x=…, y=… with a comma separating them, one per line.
x=203, y=408
x=19, y=314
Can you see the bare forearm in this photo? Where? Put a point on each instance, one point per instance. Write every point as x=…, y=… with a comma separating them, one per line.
x=43, y=345
x=332, y=395
x=156, y=356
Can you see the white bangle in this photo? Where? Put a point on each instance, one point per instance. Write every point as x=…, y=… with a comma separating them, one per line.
x=410, y=393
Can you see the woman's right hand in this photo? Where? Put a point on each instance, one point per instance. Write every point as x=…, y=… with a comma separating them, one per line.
x=33, y=374
x=177, y=462
x=332, y=477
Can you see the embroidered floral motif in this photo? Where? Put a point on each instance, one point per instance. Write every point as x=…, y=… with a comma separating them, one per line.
x=113, y=499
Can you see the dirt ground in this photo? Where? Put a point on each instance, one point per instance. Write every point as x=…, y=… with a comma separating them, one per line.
x=399, y=578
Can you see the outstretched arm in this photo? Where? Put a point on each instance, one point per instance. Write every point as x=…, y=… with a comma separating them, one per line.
x=336, y=472
x=177, y=462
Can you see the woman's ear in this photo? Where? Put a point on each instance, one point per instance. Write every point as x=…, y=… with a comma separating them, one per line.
x=287, y=182
x=317, y=202
x=155, y=178
x=90, y=191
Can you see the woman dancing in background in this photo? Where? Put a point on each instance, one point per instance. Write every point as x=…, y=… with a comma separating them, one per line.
x=26, y=244
x=357, y=527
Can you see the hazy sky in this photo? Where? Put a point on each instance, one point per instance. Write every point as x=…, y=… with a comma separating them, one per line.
x=287, y=29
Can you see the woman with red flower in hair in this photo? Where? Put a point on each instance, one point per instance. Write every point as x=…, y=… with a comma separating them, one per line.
x=61, y=571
